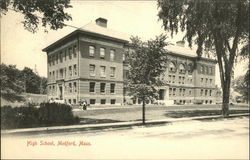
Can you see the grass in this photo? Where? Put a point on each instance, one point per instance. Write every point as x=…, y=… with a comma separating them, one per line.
x=198, y=113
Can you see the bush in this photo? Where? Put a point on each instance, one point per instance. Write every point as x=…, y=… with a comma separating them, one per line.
x=48, y=114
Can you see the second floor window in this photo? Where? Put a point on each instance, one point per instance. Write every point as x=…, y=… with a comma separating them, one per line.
x=70, y=71
x=92, y=70
x=75, y=87
x=112, y=71
x=102, y=87
x=112, y=55
x=102, y=53
x=112, y=88
x=75, y=70
x=70, y=88
x=92, y=87
x=61, y=73
x=91, y=51
x=103, y=71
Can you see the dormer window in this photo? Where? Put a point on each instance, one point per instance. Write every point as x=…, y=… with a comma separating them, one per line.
x=182, y=69
x=172, y=67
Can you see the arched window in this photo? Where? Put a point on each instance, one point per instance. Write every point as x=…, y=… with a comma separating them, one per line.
x=172, y=67
x=182, y=68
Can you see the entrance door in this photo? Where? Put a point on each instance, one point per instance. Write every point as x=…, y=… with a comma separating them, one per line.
x=161, y=94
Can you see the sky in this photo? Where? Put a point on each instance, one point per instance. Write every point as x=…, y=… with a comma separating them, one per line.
x=137, y=18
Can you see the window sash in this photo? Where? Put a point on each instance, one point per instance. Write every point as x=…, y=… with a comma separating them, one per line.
x=102, y=53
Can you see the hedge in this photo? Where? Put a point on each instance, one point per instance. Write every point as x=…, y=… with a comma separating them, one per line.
x=47, y=114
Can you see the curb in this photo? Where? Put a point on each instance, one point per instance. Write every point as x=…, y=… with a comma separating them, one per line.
x=92, y=127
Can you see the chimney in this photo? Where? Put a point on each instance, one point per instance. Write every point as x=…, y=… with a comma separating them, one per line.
x=101, y=22
x=180, y=43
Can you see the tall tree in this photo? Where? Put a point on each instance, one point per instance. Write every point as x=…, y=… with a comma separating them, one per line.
x=219, y=25
x=47, y=12
x=146, y=63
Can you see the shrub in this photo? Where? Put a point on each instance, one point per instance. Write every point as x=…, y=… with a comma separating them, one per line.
x=47, y=114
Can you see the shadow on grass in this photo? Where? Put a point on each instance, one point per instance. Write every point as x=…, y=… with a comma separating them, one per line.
x=198, y=113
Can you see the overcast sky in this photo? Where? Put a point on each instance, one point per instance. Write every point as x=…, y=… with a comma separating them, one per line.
x=23, y=48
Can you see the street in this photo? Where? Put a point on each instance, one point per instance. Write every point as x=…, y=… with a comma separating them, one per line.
x=213, y=139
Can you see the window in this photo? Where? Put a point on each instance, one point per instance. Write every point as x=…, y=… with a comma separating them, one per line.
x=190, y=93
x=52, y=59
x=206, y=92
x=75, y=70
x=201, y=92
x=61, y=73
x=75, y=87
x=92, y=70
x=183, y=80
x=112, y=101
x=102, y=87
x=210, y=70
x=211, y=81
x=65, y=55
x=69, y=101
x=174, y=91
x=169, y=78
x=53, y=73
x=56, y=74
x=50, y=78
x=91, y=51
x=170, y=92
x=173, y=79
x=112, y=71
x=103, y=101
x=202, y=69
x=112, y=55
x=180, y=92
x=92, y=101
x=74, y=51
x=112, y=88
x=206, y=70
x=102, y=53
x=70, y=88
x=206, y=80
x=201, y=80
x=210, y=92
x=57, y=57
x=172, y=67
x=65, y=72
x=123, y=57
x=179, y=79
x=103, y=71
x=70, y=53
x=74, y=101
x=70, y=71
x=61, y=56
x=182, y=68
x=49, y=90
x=184, y=92
x=92, y=87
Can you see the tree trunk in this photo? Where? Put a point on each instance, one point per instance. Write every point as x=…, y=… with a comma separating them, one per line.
x=143, y=112
x=226, y=95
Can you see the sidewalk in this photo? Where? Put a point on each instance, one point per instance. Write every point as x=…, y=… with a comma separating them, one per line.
x=87, y=127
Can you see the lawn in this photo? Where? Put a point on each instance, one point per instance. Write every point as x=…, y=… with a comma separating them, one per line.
x=134, y=113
